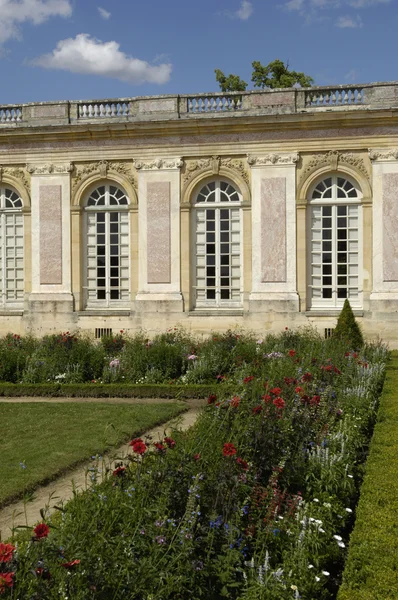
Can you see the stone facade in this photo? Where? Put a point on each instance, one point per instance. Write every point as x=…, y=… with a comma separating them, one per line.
x=258, y=209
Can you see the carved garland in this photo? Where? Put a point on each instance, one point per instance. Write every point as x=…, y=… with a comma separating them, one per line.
x=102, y=168
x=18, y=173
x=49, y=169
x=193, y=168
x=382, y=155
x=333, y=158
x=159, y=163
x=272, y=159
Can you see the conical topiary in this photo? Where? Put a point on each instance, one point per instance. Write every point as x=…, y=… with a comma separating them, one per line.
x=347, y=328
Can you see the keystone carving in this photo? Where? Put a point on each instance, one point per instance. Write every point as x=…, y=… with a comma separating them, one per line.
x=382, y=155
x=102, y=168
x=49, y=169
x=272, y=159
x=194, y=167
x=18, y=173
x=159, y=163
x=333, y=159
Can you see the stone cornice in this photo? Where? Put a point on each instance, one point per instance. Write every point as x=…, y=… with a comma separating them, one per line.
x=384, y=155
x=275, y=158
x=164, y=164
x=49, y=169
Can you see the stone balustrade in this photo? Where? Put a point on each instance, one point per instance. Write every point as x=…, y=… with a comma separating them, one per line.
x=199, y=106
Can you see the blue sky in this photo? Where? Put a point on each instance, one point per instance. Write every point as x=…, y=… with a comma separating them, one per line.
x=84, y=49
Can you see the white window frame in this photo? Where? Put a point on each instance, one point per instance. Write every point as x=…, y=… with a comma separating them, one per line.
x=217, y=205
x=333, y=303
x=90, y=289
x=12, y=288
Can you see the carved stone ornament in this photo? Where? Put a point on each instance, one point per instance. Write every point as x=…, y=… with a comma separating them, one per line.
x=384, y=155
x=159, y=163
x=194, y=167
x=49, y=169
x=18, y=173
x=102, y=168
x=272, y=159
x=333, y=158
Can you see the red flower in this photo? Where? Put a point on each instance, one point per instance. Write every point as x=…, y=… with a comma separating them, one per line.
x=119, y=472
x=289, y=380
x=196, y=456
x=235, y=402
x=279, y=402
x=6, y=551
x=306, y=377
x=139, y=447
x=170, y=442
x=159, y=446
x=242, y=463
x=275, y=391
x=229, y=449
x=257, y=409
x=336, y=370
x=43, y=573
x=135, y=441
x=292, y=353
x=298, y=390
x=6, y=580
x=266, y=397
x=41, y=530
x=211, y=399
x=315, y=400
x=248, y=379
x=72, y=563
x=327, y=368
x=305, y=399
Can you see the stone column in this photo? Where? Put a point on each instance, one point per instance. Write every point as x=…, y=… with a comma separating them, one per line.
x=384, y=295
x=159, y=288
x=50, y=300
x=274, y=233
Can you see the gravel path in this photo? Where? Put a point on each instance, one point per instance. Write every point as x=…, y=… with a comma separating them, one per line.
x=61, y=489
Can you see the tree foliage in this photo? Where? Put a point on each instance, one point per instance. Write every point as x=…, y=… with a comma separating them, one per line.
x=277, y=75
x=347, y=328
x=230, y=83
x=274, y=75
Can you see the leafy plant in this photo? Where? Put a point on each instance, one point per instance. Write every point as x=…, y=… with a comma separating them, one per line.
x=348, y=329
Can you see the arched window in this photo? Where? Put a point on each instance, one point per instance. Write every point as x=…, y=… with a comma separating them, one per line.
x=11, y=249
x=217, y=236
x=107, y=247
x=335, y=243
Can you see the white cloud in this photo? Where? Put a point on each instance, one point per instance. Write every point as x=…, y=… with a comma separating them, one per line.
x=104, y=13
x=347, y=22
x=351, y=76
x=243, y=13
x=366, y=3
x=245, y=10
x=13, y=13
x=294, y=5
x=87, y=55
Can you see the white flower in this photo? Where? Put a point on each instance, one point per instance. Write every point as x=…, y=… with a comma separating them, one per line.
x=348, y=510
x=321, y=530
x=326, y=573
x=315, y=500
x=350, y=476
x=341, y=544
x=338, y=537
x=317, y=578
x=310, y=566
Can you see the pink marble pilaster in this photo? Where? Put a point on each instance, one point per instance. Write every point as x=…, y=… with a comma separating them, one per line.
x=50, y=234
x=158, y=232
x=390, y=227
x=273, y=230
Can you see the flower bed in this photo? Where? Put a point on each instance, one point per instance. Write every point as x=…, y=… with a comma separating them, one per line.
x=254, y=502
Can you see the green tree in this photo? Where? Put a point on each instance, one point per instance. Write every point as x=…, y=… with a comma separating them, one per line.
x=277, y=75
x=230, y=83
x=347, y=328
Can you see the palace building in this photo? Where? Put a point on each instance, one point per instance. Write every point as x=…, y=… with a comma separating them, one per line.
x=257, y=209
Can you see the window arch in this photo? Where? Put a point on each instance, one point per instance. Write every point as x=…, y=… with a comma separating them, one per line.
x=107, y=247
x=217, y=236
x=11, y=249
x=335, y=264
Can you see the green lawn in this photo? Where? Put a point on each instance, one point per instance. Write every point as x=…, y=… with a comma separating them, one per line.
x=40, y=440
x=371, y=571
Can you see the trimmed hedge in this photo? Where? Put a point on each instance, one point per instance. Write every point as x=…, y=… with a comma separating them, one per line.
x=371, y=571
x=115, y=390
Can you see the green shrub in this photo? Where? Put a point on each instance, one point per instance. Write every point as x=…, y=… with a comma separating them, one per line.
x=348, y=329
